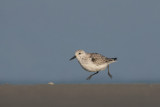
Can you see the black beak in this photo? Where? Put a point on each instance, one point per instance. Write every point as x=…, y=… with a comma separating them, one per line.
x=73, y=58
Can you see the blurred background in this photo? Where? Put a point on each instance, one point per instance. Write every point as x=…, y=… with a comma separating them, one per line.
x=38, y=37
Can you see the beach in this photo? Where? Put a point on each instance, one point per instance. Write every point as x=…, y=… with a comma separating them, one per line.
x=80, y=95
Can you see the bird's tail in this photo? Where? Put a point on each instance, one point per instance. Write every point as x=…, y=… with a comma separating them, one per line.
x=114, y=59
x=111, y=60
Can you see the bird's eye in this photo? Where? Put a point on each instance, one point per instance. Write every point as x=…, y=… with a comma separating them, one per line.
x=79, y=53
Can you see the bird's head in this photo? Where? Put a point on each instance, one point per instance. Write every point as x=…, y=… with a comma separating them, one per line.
x=79, y=54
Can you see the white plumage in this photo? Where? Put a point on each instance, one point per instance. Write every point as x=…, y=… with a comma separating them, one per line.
x=93, y=62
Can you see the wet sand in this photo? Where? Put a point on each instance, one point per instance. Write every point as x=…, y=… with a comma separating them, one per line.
x=86, y=95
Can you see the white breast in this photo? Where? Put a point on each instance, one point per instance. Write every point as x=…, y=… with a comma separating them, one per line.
x=91, y=67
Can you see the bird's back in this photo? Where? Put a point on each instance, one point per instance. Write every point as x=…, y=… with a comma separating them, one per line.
x=99, y=59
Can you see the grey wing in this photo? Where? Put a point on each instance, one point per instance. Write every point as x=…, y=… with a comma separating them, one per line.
x=98, y=59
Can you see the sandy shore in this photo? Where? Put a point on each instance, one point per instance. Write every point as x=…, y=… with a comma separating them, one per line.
x=110, y=95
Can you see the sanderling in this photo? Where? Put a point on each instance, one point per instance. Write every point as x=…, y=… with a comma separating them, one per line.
x=93, y=62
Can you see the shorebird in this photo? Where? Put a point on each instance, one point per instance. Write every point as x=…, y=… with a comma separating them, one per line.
x=93, y=62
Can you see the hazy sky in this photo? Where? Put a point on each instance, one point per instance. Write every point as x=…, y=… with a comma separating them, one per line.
x=38, y=37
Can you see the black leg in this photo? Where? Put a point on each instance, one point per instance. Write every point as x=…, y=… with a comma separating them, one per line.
x=109, y=73
x=88, y=78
